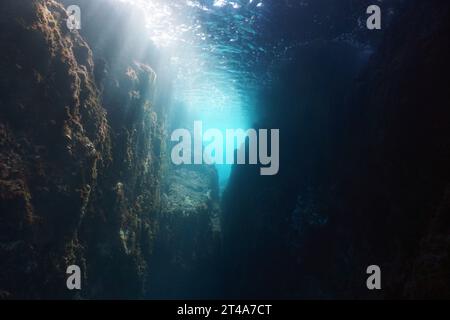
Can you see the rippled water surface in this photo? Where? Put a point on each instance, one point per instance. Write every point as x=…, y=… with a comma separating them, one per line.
x=218, y=50
x=223, y=50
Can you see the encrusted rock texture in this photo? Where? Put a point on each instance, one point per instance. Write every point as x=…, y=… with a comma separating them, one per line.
x=82, y=149
x=55, y=140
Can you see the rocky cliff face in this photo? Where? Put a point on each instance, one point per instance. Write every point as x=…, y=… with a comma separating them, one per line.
x=407, y=155
x=363, y=174
x=55, y=140
x=82, y=155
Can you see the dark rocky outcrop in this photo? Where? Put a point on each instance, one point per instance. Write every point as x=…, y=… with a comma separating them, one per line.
x=363, y=176
x=82, y=155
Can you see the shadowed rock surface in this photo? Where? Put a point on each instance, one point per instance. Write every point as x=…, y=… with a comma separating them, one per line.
x=364, y=173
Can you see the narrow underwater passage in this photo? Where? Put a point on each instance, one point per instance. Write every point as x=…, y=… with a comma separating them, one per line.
x=224, y=57
x=123, y=173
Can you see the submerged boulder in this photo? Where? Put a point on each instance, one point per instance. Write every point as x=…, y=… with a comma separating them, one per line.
x=187, y=244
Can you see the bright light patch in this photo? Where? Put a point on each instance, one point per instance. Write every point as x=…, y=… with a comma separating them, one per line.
x=219, y=3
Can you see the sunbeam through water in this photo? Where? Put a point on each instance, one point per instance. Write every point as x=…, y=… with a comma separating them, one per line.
x=213, y=50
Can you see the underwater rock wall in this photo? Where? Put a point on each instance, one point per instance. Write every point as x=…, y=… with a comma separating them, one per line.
x=273, y=226
x=122, y=224
x=403, y=146
x=82, y=155
x=55, y=141
x=363, y=176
